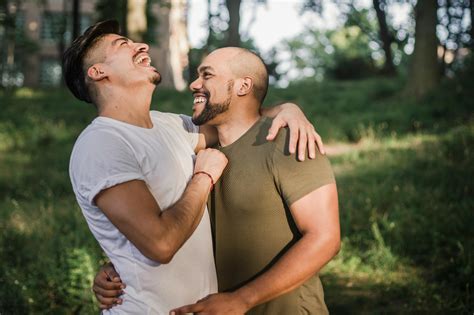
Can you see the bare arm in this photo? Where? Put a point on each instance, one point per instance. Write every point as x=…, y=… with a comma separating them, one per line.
x=158, y=234
x=317, y=218
x=302, y=133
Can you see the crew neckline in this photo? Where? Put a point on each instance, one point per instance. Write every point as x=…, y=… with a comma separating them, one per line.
x=260, y=121
x=123, y=123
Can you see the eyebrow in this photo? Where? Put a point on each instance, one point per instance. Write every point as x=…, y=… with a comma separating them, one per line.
x=205, y=68
x=115, y=41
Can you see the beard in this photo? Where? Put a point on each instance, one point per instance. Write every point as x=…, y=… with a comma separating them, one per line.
x=155, y=79
x=211, y=110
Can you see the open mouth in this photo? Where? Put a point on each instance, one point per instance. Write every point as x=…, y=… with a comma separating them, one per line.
x=200, y=100
x=142, y=60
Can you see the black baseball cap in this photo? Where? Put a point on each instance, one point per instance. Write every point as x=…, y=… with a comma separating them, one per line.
x=73, y=57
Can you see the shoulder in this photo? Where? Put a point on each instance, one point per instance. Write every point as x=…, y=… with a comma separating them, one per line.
x=180, y=122
x=98, y=135
x=99, y=142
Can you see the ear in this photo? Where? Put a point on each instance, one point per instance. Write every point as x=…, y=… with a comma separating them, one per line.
x=96, y=72
x=246, y=85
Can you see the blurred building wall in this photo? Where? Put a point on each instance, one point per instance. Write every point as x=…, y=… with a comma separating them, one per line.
x=42, y=23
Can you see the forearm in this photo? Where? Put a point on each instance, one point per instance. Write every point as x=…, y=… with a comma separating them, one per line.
x=271, y=111
x=302, y=261
x=178, y=222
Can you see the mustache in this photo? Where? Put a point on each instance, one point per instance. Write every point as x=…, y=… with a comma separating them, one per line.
x=204, y=92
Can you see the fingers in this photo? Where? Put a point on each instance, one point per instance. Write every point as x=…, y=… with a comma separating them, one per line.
x=101, y=280
x=302, y=142
x=191, y=308
x=277, y=124
x=110, y=271
x=319, y=142
x=294, y=131
x=107, y=302
x=107, y=293
x=311, y=145
x=307, y=138
x=303, y=137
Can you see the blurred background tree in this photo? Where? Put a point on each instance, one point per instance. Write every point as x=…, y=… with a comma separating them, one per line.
x=365, y=42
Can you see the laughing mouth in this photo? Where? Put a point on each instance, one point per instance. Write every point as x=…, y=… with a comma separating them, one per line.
x=142, y=60
x=198, y=100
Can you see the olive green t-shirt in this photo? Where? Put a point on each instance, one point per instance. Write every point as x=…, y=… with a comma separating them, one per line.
x=251, y=222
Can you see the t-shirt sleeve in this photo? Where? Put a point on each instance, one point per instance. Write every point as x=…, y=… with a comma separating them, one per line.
x=295, y=179
x=192, y=131
x=99, y=161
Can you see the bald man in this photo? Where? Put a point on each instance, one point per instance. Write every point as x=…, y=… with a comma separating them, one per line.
x=275, y=220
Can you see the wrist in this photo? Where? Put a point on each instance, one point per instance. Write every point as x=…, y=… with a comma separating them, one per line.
x=246, y=297
x=207, y=175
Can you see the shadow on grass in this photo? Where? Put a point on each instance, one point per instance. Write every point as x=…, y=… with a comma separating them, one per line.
x=407, y=207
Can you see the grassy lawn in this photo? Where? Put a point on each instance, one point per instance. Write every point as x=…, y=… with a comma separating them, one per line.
x=405, y=177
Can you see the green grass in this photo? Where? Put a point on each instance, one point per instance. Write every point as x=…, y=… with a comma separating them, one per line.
x=405, y=178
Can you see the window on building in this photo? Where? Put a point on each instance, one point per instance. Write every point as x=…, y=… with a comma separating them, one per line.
x=11, y=76
x=55, y=23
x=52, y=26
x=86, y=21
x=50, y=72
x=20, y=25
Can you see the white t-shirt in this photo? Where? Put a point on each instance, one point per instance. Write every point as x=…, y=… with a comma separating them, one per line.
x=109, y=152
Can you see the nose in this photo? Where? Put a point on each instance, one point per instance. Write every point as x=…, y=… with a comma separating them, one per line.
x=196, y=84
x=141, y=47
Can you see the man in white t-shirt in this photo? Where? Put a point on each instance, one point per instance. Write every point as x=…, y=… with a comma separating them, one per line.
x=132, y=173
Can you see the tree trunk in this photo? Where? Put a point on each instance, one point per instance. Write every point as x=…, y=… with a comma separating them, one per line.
x=8, y=60
x=443, y=64
x=471, y=3
x=209, y=26
x=136, y=20
x=233, y=35
x=179, y=44
x=61, y=35
x=76, y=18
x=172, y=55
x=385, y=36
x=124, y=17
x=424, y=71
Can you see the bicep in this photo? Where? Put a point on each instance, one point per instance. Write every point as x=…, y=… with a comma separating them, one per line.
x=131, y=207
x=318, y=211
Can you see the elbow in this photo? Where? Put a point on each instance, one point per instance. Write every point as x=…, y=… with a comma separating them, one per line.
x=336, y=245
x=162, y=252
x=332, y=245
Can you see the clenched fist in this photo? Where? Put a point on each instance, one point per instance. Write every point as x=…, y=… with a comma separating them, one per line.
x=211, y=161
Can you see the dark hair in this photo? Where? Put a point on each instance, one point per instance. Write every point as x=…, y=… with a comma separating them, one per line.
x=73, y=57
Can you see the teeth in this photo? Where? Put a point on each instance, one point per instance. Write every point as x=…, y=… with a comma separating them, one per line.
x=199, y=99
x=143, y=58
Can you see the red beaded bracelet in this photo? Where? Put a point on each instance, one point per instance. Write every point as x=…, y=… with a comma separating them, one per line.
x=206, y=173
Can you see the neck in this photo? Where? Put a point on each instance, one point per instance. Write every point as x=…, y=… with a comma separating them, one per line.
x=237, y=125
x=132, y=107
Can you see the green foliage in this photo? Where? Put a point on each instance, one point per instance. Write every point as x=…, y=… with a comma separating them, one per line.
x=342, y=54
x=404, y=172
